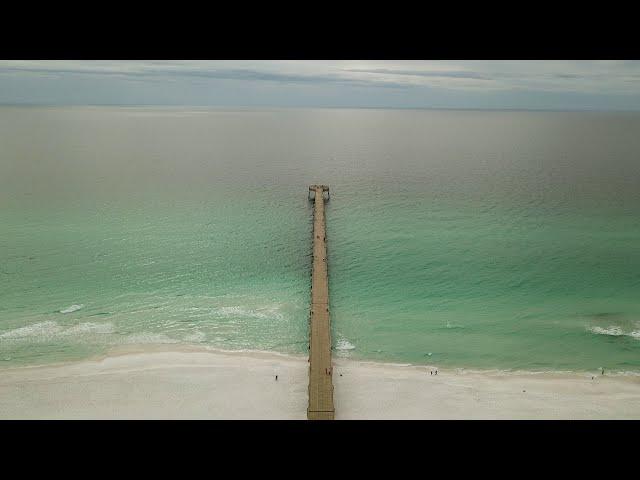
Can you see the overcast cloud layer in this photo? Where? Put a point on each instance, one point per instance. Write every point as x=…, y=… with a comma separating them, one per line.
x=560, y=85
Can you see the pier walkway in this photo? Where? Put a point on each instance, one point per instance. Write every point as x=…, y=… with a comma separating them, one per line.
x=320, y=370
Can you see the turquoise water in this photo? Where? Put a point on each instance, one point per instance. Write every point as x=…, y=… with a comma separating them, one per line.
x=456, y=238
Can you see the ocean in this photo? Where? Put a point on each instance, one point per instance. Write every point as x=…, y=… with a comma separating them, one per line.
x=473, y=239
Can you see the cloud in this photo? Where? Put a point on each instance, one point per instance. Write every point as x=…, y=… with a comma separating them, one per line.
x=428, y=73
x=488, y=84
x=194, y=70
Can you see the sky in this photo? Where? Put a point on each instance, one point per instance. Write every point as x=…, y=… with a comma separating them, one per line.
x=472, y=84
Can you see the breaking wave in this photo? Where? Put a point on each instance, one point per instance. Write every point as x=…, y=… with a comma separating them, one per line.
x=47, y=330
x=271, y=312
x=71, y=308
x=148, y=337
x=614, y=331
x=344, y=344
x=196, y=337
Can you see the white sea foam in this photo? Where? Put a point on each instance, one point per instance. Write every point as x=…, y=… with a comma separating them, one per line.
x=229, y=311
x=452, y=325
x=71, y=308
x=89, y=333
x=90, y=328
x=148, y=337
x=47, y=330
x=614, y=331
x=196, y=337
x=611, y=330
x=38, y=330
x=271, y=312
x=344, y=344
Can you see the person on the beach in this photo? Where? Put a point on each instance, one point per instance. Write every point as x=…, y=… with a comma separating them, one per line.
x=276, y=378
x=603, y=371
x=436, y=371
x=431, y=372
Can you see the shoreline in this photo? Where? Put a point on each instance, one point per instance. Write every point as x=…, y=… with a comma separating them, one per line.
x=142, y=348
x=192, y=381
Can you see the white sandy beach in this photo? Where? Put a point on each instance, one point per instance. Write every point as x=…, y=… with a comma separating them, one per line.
x=200, y=384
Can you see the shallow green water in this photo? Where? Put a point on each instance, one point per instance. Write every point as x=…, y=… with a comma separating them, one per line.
x=474, y=239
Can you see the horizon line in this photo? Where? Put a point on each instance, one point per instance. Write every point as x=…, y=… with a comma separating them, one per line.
x=328, y=107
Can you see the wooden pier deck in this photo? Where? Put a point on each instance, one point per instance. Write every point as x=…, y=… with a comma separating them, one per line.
x=320, y=369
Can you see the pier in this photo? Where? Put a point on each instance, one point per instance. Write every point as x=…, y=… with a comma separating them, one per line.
x=320, y=369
